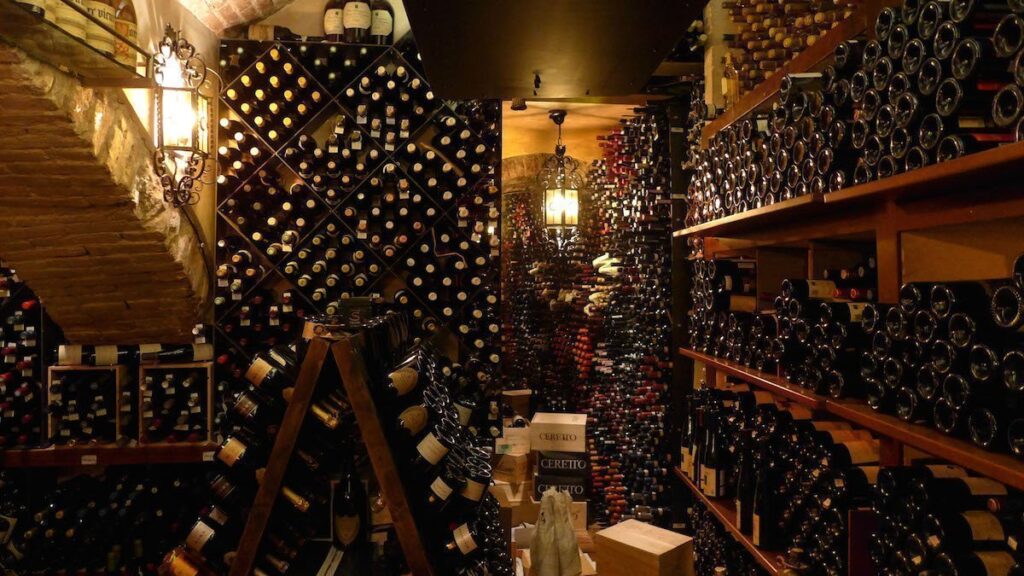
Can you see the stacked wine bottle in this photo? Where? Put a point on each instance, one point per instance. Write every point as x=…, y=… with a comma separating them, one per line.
x=791, y=478
x=948, y=354
x=343, y=175
x=937, y=82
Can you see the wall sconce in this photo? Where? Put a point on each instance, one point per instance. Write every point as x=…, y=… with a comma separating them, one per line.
x=182, y=117
x=561, y=181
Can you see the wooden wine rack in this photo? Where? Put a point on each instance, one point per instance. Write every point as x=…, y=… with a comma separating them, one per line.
x=347, y=64
x=352, y=370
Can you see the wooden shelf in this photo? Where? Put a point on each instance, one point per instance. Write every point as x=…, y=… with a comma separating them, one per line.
x=1001, y=467
x=725, y=512
x=755, y=218
x=49, y=43
x=68, y=456
x=763, y=380
x=861, y=21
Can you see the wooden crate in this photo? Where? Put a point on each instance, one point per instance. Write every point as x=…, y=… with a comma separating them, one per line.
x=120, y=382
x=144, y=369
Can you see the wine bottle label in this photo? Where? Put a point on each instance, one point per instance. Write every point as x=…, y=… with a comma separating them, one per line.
x=148, y=352
x=202, y=352
x=200, y=534
x=218, y=516
x=258, y=371
x=984, y=487
x=357, y=15
x=296, y=500
x=441, y=489
x=856, y=311
x=106, y=355
x=100, y=38
x=739, y=511
x=326, y=418
x=684, y=458
x=123, y=52
x=414, y=419
x=946, y=471
x=346, y=528
x=473, y=490
x=333, y=22
x=404, y=380
x=72, y=21
x=464, y=540
x=820, y=289
x=984, y=525
x=383, y=23
x=231, y=451
x=862, y=451
x=997, y=563
x=465, y=413
x=756, y=535
x=431, y=449
x=180, y=566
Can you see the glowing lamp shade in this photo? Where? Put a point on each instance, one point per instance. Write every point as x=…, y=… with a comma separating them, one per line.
x=561, y=207
x=181, y=119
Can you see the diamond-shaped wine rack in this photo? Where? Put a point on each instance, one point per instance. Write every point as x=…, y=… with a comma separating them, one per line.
x=341, y=175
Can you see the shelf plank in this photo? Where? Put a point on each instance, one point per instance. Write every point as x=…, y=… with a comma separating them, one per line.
x=71, y=456
x=1001, y=467
x=755, y=218
x=811, y=58
x=769, y=382
x=47, y=42
x=725, y=512
x=353, y=378
x=988, y=167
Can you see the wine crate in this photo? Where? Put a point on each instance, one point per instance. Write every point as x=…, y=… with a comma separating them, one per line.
x=121, y=383
x=203, y=388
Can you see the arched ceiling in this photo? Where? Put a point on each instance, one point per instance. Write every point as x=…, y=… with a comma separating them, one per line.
x=219, y=15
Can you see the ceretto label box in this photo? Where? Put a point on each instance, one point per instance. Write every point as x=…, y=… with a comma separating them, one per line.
x=558, y=432
x=563, y=463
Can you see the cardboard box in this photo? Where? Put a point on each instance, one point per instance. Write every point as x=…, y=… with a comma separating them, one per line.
x=513, y=441
x=558, y=432
x=563, y=464
x=518, y=400
x=633, y=548
x=512, y=468
x=576, y=486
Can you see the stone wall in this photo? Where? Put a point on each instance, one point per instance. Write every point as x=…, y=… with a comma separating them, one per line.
x=84, y=220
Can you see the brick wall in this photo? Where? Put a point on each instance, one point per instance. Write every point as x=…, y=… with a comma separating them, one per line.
x=84, y=221
x=218, y=15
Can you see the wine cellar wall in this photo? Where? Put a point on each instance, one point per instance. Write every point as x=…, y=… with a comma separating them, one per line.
x=343, y=176
x=587, y=323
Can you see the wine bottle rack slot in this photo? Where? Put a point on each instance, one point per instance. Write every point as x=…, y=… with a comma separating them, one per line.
x=176, y=403
x=91, y=405
x=343, y=175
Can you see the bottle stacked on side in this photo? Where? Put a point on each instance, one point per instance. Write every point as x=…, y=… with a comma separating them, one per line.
x=323, y=461
x=430, y=404
x=83, y=408
x=953, y=352
x=791, y=478
x=767, y=34
x=935, y=518
x=715, y=549
x=936, y=83
x=22, y=394
x=340, y=164
x=95, y=29
x=390, y=101
x=263, y=319
x=635, y=209
x=120, y=521
x=239, y=271
x=274, y=97
x=175, y=405
x=331, y=267
x=274, y=216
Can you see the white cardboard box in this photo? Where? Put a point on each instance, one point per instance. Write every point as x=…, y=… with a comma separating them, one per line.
x=558, y=432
